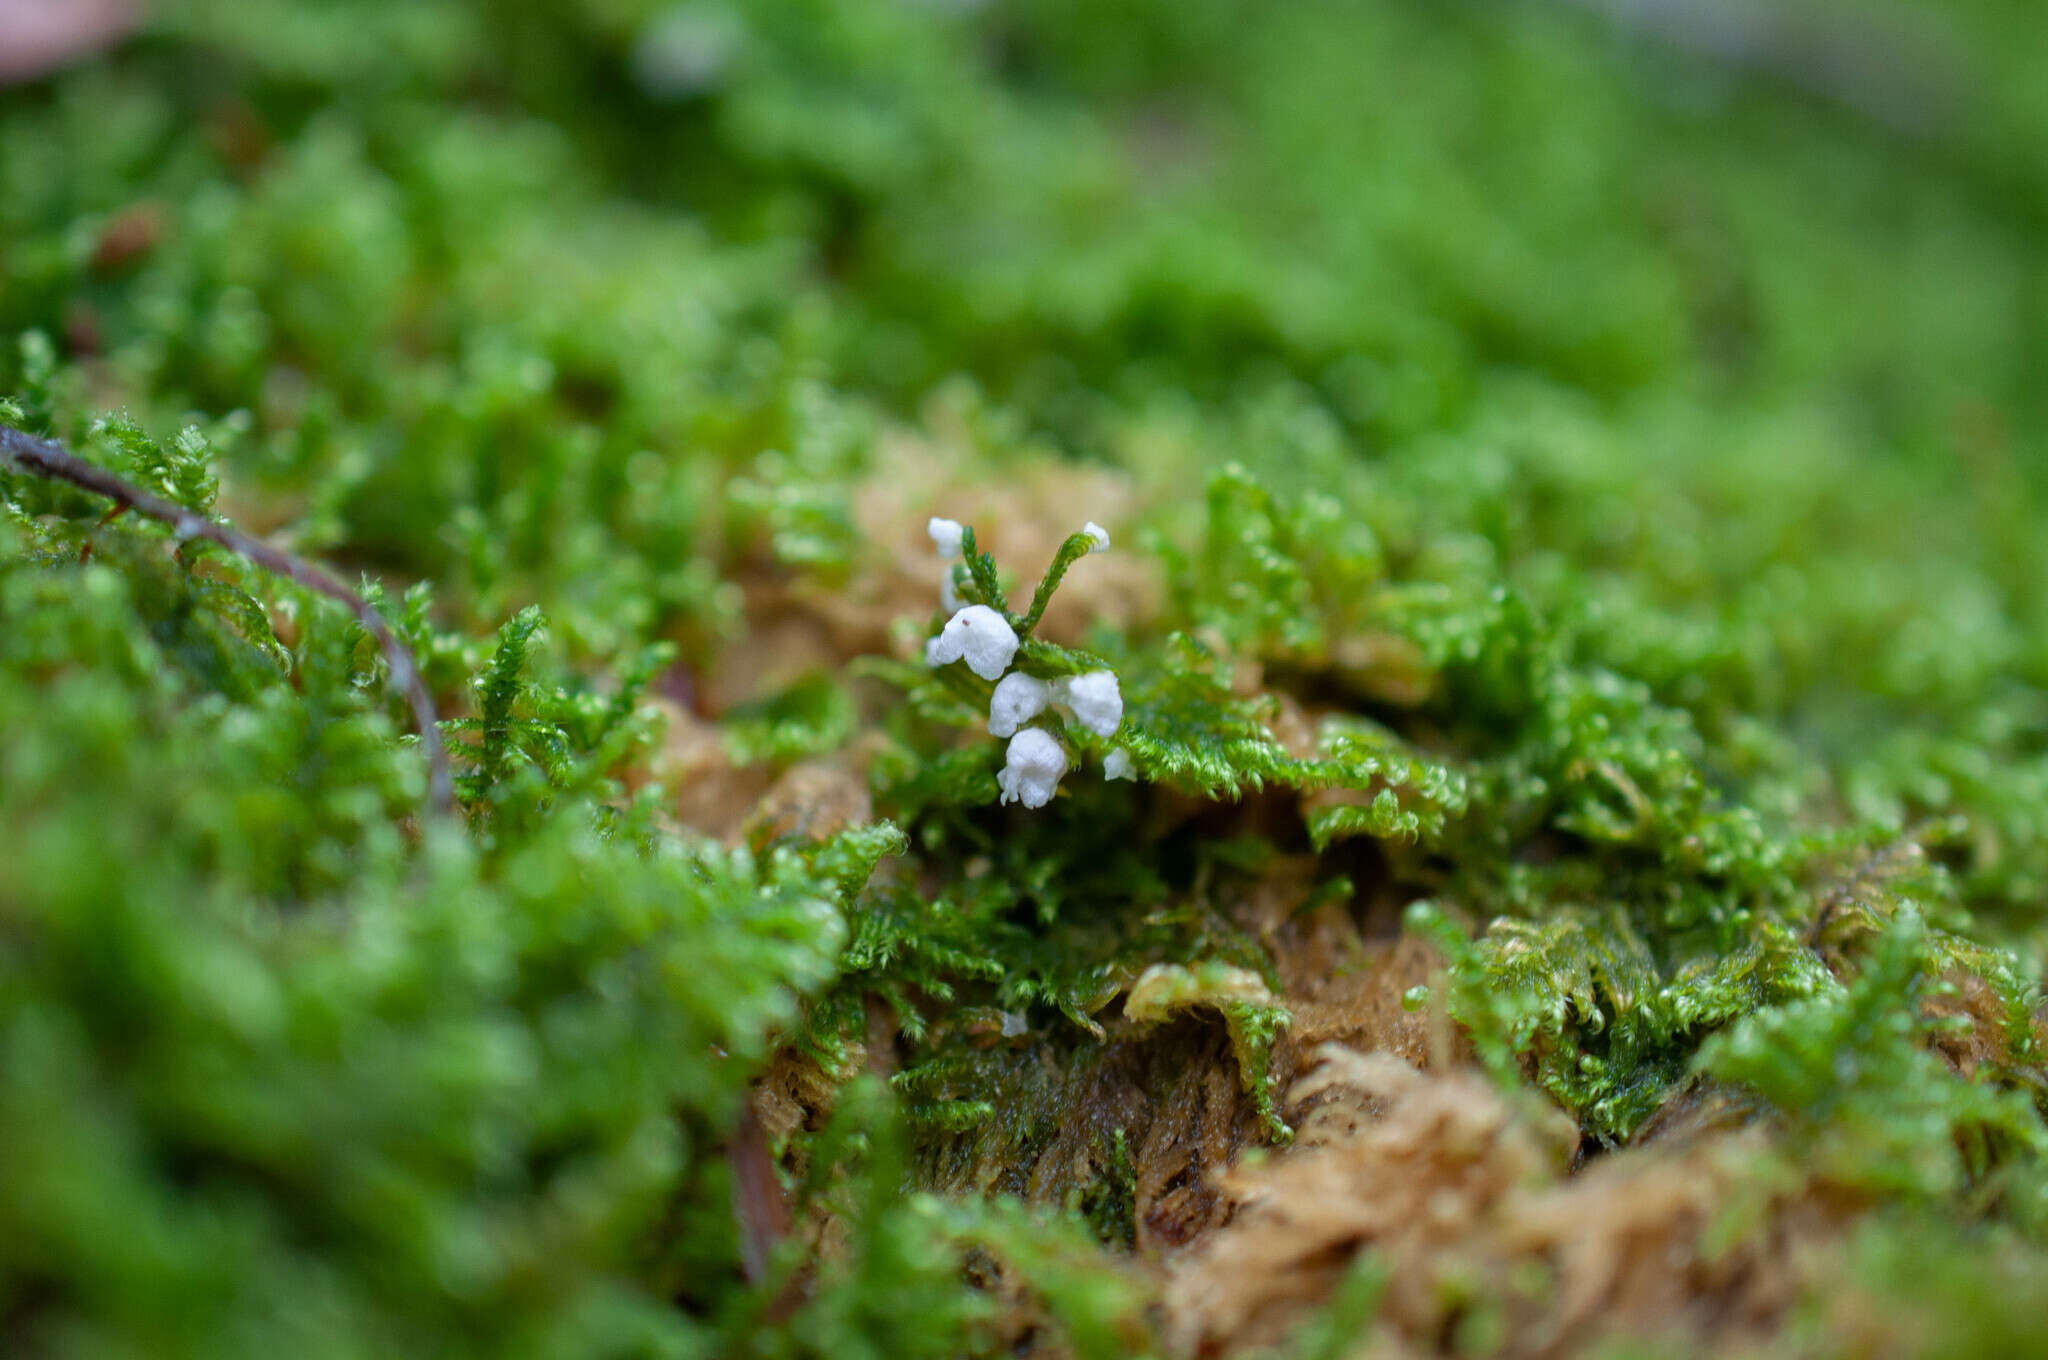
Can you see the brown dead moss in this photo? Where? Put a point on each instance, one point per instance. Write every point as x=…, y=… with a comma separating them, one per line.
x=813, y=800
x=1021, y=515
x=691, y=760
x=787, y=638
x=1387, y=1159
x=1463, y=1195
x=715, y=796
x=797, y=624
x=1342, y=978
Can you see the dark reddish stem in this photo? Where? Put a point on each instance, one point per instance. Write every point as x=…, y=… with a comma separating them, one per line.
x=47, y=458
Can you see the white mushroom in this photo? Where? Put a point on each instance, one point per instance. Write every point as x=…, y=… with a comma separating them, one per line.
x=1018, y=699
x=980, y=636
x=1094, y=699
x=1033, y=768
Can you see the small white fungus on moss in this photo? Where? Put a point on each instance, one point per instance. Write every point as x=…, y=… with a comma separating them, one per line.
x=978, y=635
x=1018, y=699
x=1032, y=769
x=986, y=641
x=1094, y=699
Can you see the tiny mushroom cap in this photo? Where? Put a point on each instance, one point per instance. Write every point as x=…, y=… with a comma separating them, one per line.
x=1033, y=768
x=1096, y=702
x=945, y=536
x=1098, y=533
x=1018, y=699
x=1117, y=765
x=980, y=636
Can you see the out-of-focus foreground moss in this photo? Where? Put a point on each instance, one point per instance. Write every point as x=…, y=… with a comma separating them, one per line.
x=1631, y=455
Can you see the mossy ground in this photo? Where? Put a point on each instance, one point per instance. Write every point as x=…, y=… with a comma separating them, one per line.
x=1577, y=503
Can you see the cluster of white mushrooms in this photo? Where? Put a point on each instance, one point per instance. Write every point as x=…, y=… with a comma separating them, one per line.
x=984, y=639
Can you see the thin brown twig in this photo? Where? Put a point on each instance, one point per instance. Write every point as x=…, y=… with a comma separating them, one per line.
x=759, y=1206
x=47, y=458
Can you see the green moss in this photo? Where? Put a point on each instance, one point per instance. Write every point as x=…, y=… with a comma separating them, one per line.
x=296, y=1056
x=1605, y=512
x=1871, y=1106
